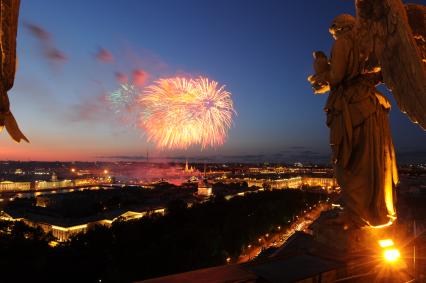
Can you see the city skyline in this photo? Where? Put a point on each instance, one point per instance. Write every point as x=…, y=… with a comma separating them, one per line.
x=260, y=51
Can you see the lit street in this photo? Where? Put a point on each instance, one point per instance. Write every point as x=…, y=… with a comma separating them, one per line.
x=301, y=223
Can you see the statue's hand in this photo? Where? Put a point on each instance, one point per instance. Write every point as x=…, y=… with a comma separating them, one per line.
x=319, y=85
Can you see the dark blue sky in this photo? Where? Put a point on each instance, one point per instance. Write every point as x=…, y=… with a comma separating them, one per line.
x=261, y=51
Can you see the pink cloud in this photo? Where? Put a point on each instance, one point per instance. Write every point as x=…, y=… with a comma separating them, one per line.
x=139, y=77
x=56, y=55
x=49, y=50
x=121, y=78
x=104, y=56
x=37, y=31
x=90, y=109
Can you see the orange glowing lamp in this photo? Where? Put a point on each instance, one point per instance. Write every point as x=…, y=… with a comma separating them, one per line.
x=386, y=243
x=391, y=255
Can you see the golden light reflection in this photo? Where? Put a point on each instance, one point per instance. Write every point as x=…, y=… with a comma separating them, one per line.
x=386, y=243
x=391, y=255
x=53, y=244
x=390, y=178
x=382, y=226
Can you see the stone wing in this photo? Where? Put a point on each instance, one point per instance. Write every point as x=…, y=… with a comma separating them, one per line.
x=9, y=27
x=396, y=35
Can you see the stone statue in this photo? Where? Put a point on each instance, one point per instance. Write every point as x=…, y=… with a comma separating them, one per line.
x=9, y=26
x=385, y=42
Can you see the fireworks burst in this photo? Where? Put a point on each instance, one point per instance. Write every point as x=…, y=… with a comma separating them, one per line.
x=179, y=112
x=123, y=98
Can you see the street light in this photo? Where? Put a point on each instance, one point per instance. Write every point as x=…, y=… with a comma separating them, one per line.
x=386, y=243
x=390, y=253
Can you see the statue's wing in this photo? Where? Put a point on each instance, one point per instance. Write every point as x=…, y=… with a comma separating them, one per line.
x=396, y=35
x=9, y=27
x=9, y=12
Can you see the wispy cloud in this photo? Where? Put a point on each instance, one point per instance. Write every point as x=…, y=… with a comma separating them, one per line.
x=94, y=108
x=139, y=77
x=49, y=50
x=105, y=56
x=121, y=77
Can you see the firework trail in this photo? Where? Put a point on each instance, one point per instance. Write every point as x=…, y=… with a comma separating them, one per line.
x=123, y=98
x=179, y=112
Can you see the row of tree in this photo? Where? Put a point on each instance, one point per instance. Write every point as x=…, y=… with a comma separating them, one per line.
x=184, y=239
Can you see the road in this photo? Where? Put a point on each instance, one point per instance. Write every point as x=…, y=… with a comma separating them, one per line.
x=301, y=223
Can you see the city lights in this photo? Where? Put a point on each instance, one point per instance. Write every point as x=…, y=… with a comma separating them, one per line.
x=184, y=141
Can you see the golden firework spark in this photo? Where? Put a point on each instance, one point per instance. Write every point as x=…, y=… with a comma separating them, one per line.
x=179, y=112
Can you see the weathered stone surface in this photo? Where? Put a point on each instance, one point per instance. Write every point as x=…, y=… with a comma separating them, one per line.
x=348, y=243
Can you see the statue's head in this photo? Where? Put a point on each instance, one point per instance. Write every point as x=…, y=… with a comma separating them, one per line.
x=342, y=24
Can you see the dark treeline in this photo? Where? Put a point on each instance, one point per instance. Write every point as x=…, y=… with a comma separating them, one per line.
x=184, y=239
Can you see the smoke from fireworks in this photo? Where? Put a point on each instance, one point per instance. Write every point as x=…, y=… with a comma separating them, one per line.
x=179, y=112
x=123, y=98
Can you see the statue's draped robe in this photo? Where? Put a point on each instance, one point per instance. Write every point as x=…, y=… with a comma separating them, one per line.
x=360, y=137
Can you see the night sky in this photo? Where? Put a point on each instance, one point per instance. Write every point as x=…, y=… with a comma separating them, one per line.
x=261, y=51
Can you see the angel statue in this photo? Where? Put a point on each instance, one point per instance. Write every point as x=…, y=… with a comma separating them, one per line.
x=384, y=43
x=9, y=27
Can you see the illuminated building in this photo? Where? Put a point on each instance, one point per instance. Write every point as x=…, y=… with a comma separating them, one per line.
x=204, y=189
x=8, y=186
x=255, y=182
x=267, y=170
x=64, y=233
x=322, y=182
x=88, y=182
x=62, y=230
x=48, y=185
x=58, y=184
x=290, y=183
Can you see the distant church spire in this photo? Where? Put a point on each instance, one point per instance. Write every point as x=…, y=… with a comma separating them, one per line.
x=54, y=177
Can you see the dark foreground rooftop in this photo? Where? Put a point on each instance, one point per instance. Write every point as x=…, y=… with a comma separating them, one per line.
x=292, y=263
